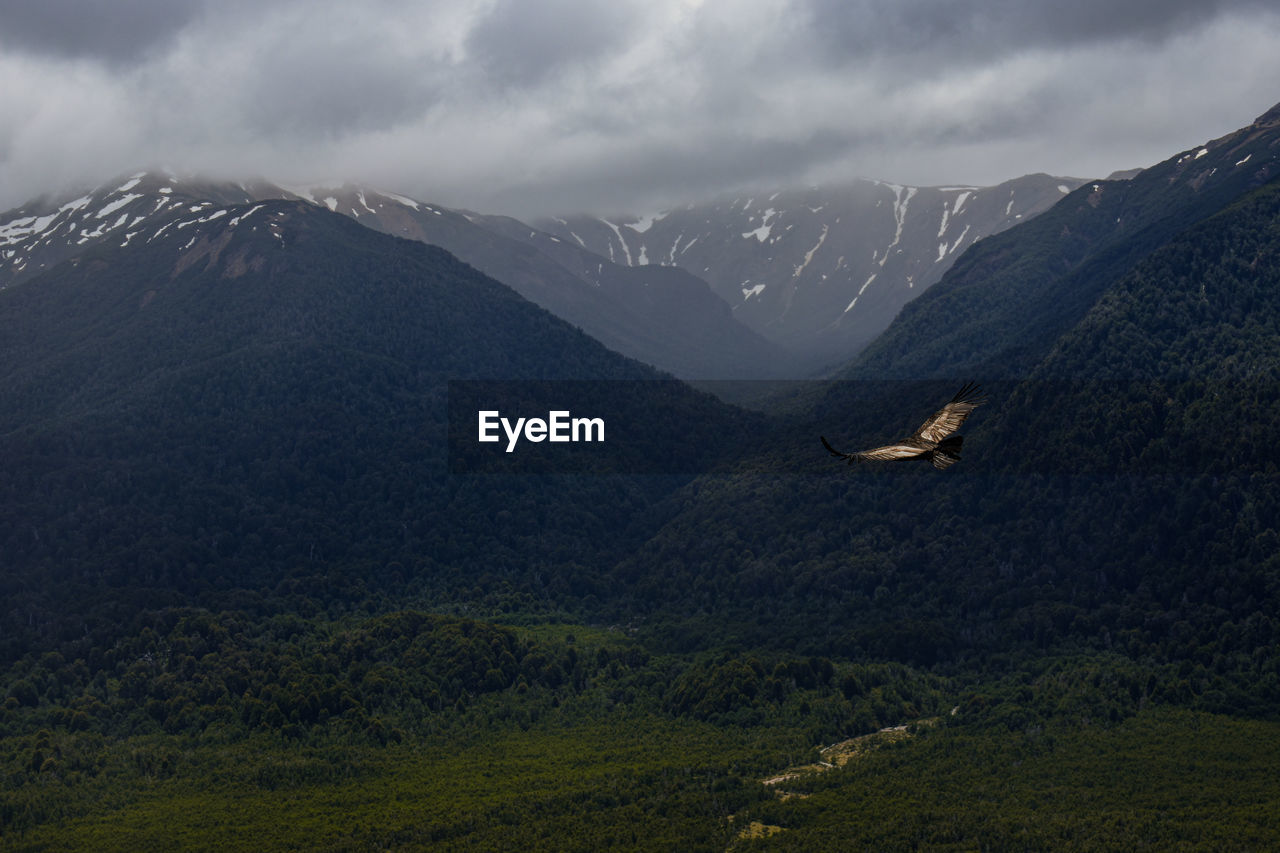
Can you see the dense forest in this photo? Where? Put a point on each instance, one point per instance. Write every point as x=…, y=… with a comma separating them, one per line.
x=257, y=592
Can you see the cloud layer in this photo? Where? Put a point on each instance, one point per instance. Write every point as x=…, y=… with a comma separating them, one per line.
x=557, y=106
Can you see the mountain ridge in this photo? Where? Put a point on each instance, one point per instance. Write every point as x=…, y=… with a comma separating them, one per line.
x=662, y=317
x=657, y=312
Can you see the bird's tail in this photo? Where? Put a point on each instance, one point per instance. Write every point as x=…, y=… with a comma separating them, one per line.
x=835, y=452
x=947, y=453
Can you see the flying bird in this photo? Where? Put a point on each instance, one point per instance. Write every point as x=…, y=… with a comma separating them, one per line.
x=933, y=441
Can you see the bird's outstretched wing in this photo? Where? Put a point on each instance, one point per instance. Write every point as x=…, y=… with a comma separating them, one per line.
x=901, y=450
x=948, y=419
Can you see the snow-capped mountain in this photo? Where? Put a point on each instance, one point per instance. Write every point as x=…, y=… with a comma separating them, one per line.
x=661, y=316
x=821, y=270
x=46, y=231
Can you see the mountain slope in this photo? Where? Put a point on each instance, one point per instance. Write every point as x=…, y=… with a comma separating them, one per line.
x=822, y=270
x=664, y=318
x=1119, y=499
x=250, y=402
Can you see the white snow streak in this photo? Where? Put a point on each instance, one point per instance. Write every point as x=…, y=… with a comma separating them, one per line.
x=242, y=217
x=861, y=290
x=901, y=198
x=407, y=202
x=808, y=256
x=116, y=205
x=625, y=248
x=687, y=247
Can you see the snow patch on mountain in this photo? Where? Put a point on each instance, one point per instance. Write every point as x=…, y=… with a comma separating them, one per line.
x=117, y=204
x=766, y=228
x=405, y=200
x=644, y=223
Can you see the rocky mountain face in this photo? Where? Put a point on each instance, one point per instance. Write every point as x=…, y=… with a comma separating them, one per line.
x=662, y=316
x=821, y=270
x=1000, y=308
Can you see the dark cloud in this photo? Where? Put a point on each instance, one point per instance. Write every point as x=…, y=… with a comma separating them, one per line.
x=119, y=31
x=537, y=106
x=520, y=43
x=303, y=89
x=942, y=31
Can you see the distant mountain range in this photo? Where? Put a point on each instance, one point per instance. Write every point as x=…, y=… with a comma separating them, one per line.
x=822, y=270
x=661, y=316
x=750, y=288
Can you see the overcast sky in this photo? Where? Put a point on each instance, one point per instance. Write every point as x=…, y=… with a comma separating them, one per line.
x=610, y=106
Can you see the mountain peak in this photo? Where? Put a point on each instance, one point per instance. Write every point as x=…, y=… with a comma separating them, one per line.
x=1270, y=118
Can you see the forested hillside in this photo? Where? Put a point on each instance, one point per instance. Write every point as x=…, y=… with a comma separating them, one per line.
x=258, y=411
x=1120, y=496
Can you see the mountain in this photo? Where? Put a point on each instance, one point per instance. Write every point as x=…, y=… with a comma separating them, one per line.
x=243, y=557
x=1116, y=495
x=48, y=230
x=1006, y=301
x=822, y=270
x=662, y=317
x=1118, y=499
x=243, y=402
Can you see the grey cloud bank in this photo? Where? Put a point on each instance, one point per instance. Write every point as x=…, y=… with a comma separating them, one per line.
x=545, y=106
